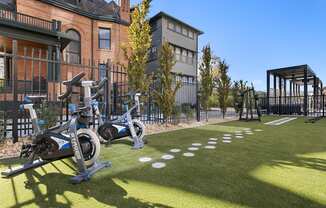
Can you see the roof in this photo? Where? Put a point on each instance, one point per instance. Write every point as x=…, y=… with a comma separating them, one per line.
x=163, y=14
x=7, y=4
x=94, y=9
x=291, y=72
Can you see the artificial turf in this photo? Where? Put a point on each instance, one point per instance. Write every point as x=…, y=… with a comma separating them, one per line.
x=283, y=166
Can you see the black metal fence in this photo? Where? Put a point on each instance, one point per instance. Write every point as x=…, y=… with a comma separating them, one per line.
x=29, y=71
x=294, y=105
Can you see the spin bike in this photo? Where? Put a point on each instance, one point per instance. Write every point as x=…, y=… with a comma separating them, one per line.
x=124, y=125
x=62, y=141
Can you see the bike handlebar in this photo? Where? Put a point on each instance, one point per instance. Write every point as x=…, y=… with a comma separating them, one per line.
x=70, y=83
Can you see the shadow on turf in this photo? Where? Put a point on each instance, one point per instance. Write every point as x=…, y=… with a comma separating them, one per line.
x=312, y=163
x=227, y=179
x=230, y=181
x=104, y=191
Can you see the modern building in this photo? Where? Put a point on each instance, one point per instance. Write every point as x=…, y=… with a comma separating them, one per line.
x=76, y=32
x=184, y=40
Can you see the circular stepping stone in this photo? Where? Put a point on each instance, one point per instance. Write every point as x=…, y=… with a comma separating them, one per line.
x=159, y=165
x=210, y=147
x=227, y=138
x=145, y=159
x=188, y=154
x=258, y=130
x=193, y=148
x=227, y=141
x=211, y=142
x=239, y=137
x=167, y=157
x=175, y=150
x=238, y=134
x=196, y=144
x=249, y=133
x=247, y=129
x=213, y=139
x=227, y=135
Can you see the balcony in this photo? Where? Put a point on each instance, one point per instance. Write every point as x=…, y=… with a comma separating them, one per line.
x=24, y=21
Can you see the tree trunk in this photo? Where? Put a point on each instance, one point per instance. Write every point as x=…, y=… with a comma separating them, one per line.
x=206, y=115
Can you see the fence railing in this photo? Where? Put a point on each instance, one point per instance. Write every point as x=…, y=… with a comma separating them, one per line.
x=26, y=20
x=294, y=105
x=30, y=71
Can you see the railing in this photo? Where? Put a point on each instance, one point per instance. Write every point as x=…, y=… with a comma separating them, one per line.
x=23, y=19
x=294, y=105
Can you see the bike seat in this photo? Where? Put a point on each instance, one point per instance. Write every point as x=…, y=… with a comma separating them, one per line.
x=75, y=80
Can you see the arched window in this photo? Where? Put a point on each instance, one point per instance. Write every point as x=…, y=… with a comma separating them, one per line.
x=72, y=53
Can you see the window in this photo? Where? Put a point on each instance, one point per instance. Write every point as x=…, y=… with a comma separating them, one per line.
x=104, y=38
x=73, y=50
x=177, y=53
x=190, y=57
x=2, y=68
x=178, y=28
x=184, y=55
x=152, y=53
x=185, y=31
x=191, y=34
x=102, y=68
x=171, y=25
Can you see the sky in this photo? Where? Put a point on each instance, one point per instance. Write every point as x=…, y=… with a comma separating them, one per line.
x=255, y=35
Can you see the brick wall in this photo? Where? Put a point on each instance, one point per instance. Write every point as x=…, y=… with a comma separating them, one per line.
x=83, y=25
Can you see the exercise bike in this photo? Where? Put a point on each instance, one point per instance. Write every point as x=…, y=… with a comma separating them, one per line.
x=62, y=141
x=124, y=125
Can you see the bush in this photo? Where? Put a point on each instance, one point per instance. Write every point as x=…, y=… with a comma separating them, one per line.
x=48, y=113
x=188, y=110
x=176, y=113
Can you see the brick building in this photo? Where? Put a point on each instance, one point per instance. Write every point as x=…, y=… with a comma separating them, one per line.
x=74, y=32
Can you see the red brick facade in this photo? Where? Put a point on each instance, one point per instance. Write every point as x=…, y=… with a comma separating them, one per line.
x=87, y=28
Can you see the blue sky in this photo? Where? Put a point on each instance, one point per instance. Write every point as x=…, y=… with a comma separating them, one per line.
x=255, y=35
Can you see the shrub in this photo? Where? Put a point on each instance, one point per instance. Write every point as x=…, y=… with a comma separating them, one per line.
x=49, y=113
x=176, y=114
x=187, y=109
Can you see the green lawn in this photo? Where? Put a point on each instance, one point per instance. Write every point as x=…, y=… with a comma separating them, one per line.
x=283, y=166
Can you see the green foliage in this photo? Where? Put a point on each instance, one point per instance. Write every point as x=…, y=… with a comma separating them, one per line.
x=165, y=96
x=213, y=100
x=238, y=88
x=48, y=113
x=223, y=86
x=176, y=113
x=188, y=110
x=206, y=74
x=140, y=39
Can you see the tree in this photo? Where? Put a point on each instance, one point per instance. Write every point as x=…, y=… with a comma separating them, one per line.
x=139, y=38
x=165, y=96
x=223, y=86
x=238, y=88
x=206, y=75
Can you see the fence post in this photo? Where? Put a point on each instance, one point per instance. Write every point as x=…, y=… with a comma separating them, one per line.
x=323, y=105
x=198, y=105
x=15, y=93
x=108, y=89
x=149, y=102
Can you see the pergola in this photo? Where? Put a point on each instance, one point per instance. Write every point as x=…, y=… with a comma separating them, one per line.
x=295, y=77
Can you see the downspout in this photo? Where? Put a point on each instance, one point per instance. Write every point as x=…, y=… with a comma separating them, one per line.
x=197, y=84
x=92, y=49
